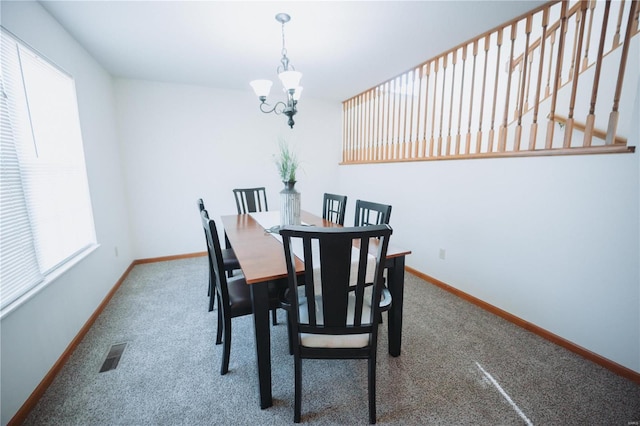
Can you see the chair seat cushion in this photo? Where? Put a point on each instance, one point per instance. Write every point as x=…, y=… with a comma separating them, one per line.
x=333, y=340
x=239, y=296
x=229, y=260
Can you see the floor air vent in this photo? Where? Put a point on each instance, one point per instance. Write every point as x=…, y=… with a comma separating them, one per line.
x=113, y=357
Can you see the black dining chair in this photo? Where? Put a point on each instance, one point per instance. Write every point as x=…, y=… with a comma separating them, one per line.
x=229, y=260
x=234, y=294
x=333, y=208
x=250, y=200
x=333, y=314
x=370, y=213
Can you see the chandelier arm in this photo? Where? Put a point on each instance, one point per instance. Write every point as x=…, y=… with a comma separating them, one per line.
x=280, y=104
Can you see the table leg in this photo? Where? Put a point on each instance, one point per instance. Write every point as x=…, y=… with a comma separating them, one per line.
x=227, y=245
x=260, y=302
x=395, y=276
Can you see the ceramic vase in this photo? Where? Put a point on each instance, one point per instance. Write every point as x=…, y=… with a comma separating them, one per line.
x=289, y=204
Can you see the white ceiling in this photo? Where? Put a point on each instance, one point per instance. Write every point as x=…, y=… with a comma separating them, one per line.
x=341, y=47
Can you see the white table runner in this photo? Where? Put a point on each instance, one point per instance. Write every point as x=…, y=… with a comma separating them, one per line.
x=270, y=221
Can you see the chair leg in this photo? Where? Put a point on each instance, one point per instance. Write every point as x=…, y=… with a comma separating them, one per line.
x=226, y=347
x=212, y=295
x=372, y=390
x=290, y=333
x=274, y=316
x=220, y=325
x=298, y=389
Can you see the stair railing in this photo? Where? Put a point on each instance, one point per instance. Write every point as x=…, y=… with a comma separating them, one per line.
x=481, y=99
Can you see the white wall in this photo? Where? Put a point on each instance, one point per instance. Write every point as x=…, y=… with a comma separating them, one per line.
x=552, y=240
x=35, y=334
x=181, y=143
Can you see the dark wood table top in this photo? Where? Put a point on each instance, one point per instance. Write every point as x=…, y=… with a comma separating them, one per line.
x=261, y=256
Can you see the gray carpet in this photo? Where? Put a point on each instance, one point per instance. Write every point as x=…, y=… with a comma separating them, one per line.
x=459, y=365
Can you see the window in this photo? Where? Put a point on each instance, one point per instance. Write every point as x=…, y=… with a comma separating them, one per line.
x=45, y=208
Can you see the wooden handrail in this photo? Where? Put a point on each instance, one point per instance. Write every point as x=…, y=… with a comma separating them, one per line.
x=552, y=28
x=582, y=127
x=458, y=46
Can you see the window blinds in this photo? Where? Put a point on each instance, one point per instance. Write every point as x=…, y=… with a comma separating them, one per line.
x=45, y=208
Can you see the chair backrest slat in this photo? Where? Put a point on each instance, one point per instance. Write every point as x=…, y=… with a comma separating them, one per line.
x=365, y=210
x=251, y=200
x=216, y=264
x=201, y=208
x=364, y=251
x=335, y=266
x=334, y=207
x=310, y=280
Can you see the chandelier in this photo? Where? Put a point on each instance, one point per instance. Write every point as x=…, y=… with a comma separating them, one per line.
x=290, y=79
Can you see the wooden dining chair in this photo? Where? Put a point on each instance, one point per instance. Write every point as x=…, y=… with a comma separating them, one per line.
x=370, y=213
x=333, y=208
x=333, y=314
x=234, y=294
x=229, y=260
x=250, y=200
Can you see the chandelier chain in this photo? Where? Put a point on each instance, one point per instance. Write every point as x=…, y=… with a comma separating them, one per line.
x=285, y=59
x=284, y=49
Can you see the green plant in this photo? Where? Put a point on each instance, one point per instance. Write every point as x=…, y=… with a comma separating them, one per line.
x=286, y=162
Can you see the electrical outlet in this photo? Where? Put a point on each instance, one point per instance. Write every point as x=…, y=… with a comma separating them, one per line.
x=442, y=254
x=116, y=250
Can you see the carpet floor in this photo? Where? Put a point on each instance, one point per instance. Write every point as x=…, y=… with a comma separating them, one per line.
x=459, y=365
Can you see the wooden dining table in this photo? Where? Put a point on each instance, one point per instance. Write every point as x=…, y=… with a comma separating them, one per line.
x=261, y=258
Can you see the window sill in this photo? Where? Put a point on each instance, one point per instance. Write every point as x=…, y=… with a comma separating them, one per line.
x=49, y=278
